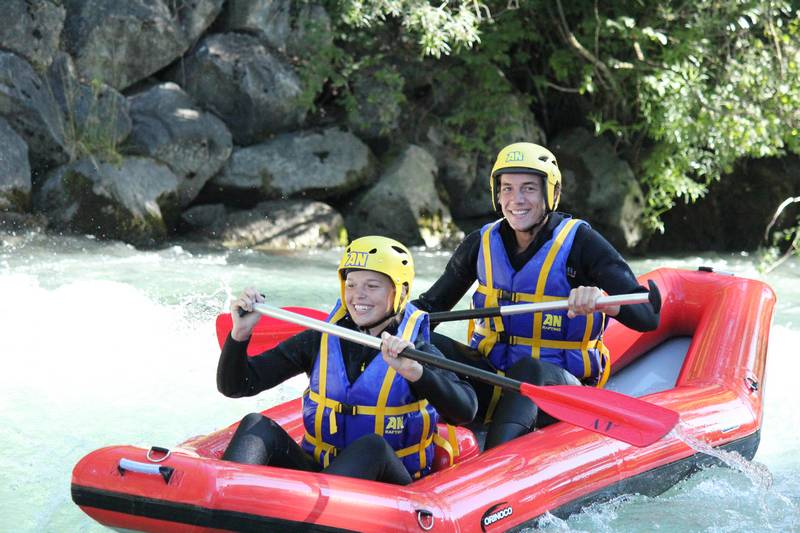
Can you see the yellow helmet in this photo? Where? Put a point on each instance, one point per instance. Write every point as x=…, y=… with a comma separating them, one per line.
x=528, y=158
x=384, y=255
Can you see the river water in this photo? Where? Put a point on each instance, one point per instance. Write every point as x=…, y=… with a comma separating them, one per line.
x=103, y=344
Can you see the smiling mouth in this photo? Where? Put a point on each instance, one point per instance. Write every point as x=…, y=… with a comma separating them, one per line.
x=362, y=308
x=520, y=213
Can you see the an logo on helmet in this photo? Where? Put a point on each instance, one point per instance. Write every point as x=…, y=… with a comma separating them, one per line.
x=515, y=156
x=356, y=259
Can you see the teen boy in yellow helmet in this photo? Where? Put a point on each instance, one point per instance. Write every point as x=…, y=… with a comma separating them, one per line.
x=533, y=254
x=353, y=390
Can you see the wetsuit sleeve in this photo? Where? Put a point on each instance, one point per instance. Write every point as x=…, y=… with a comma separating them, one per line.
x=452, y=397
x=599, y=264
x=239, y=375
x=458, y=276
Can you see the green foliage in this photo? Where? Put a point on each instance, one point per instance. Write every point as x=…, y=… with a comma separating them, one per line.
x=438, y=27
x=481, y=92
x=686, y=89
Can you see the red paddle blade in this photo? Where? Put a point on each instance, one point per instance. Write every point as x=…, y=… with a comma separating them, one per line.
x=269, y=331
x=606, y=412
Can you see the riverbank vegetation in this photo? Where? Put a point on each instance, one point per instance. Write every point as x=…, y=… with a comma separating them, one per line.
x=685, y=89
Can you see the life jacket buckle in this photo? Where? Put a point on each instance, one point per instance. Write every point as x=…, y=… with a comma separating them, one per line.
x=506, y=295
x=347, y=409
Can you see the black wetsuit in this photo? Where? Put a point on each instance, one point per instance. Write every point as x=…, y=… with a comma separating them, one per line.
x=259, y=440
x=592, y=261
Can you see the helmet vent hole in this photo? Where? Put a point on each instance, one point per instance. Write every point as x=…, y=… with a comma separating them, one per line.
x=405, y=261
x=374, y=251
x=348, y=250
x=399, y=251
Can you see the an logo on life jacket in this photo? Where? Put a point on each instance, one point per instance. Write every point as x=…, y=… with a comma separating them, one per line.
x=515, y=156
x=394, y=424
x=552, y=322
x=356, y=259
x=495, y=513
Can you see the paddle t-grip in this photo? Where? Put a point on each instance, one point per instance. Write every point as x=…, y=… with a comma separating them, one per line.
x=655, y=295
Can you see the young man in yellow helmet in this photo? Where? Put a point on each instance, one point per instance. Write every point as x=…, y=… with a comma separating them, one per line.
x=534, y=254
x=367, y=414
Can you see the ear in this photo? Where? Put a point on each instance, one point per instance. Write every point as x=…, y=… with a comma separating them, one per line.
x=556, y=193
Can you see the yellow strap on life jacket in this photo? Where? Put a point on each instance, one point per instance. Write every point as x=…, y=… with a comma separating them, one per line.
x=379, y=411
x=447, y=446
x=487, y=343
x=372, y=410
x=541, y=283
x=323, y=378
x=512, y=296
x=496, y=393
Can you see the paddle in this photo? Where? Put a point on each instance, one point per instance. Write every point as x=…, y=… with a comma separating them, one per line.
x=268, y=332
x=654, y=297
x=602, y=411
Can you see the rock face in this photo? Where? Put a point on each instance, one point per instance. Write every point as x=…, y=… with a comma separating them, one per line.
x=269, y=225
x=121, y=43
x=253, y=90
x=32, y=29
x=195, y=16
x=325, y=164
x=404, y=204
x=268, y=20
x=95, y=116
x=29, y=107
x=15, y=172
x=169, y=127
x=136, y=201
x=599, y=187
x=293, y=28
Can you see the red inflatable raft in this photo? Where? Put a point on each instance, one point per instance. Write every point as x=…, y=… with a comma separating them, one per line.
x=706, y=361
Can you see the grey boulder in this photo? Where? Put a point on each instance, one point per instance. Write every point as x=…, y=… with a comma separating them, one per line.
x=168, y=126
x=135, y=201
x=15, y=172
x=32, y=29
x=600, y=186
x=404, y=204
x=121, y=43
x=253, y=90
x=269, y=225
x=326, y=164
x=29, y=107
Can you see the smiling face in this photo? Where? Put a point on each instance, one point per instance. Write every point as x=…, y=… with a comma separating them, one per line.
x=521, y=198
x=369, y=296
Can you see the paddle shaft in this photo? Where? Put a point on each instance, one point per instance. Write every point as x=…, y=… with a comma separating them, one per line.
x=558, y=305
x=374, y=342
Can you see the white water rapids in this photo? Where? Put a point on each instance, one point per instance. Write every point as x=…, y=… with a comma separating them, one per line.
x=102, y=344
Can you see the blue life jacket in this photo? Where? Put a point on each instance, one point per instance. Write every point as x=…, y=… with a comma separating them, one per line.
x=574, y=344
x=337, y=412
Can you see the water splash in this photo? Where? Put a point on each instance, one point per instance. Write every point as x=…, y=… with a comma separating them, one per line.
x=758, y=473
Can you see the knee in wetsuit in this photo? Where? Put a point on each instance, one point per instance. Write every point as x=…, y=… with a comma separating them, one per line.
x=517, y=415
x=252, y=443
x=370, y=457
